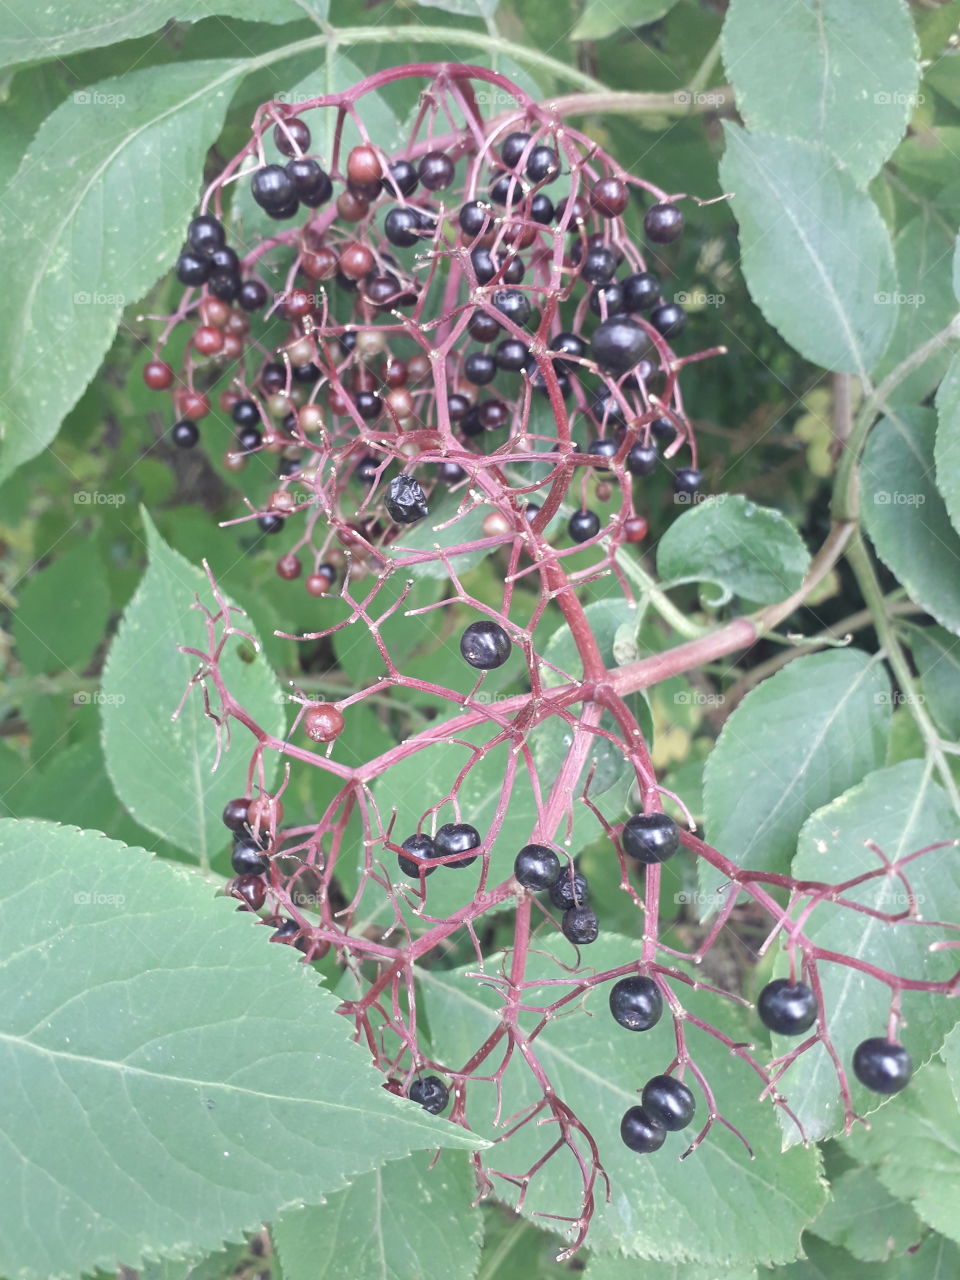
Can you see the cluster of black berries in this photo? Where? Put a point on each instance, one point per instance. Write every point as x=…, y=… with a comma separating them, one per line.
x=538, y=868
x=790, y=1009
x=252, y=823
x=538, y=293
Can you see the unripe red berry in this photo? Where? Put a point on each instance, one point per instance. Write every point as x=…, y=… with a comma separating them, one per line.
x=319, y=264
x=297, y=304
x=289, y=567
x=363, y=166
x=232, y=346
x=208, y=340
x=356, y=261
x=352, y=207
x=323, y=722
x=192, y=404
x=158, y=375
x=609, y=197
x=635, y=528
x=215, y=311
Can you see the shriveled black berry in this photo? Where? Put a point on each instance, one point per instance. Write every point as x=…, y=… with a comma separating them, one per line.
x=511, y=355
x=420, y=850
x=642, y=460
x=474, y=218
x=252, y=295
x=670, y=320
x=485, y=645
x=543, y=164
x=193, y=268
x=457, y=837
x=618, y=343
x=536, y=867
x=436, y=170
x=583, y=525
x=185, y=433
x=580, y=925
x=513, y=148
x=405, y=500
x=789, y=1008
x=640, y=1132
x=569, y=890
x=402, y=227
x=663, y=223
x=248, y=859
x=636, y=1003
x=205, y=234
x=271, y=523
x=431, y=1093
x=882, y=1066
x=650, y=837
x=479, y=368
x=668, y=1102
x=272, y=187
x=640, y=291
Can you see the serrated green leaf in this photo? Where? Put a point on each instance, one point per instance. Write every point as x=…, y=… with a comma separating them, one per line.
x=794, y=205
x=905, y=515
x=863, y=1217
x=172, y=1079
x=901, y=810
x=935, y=1259
x=31, y=32
x=795, y=742
x=816, y=70
x=605, y=1266
x=463, y=8
x=946, y=449
x=90, y=227
x=388, y=1225
x=62, y=612
x=162, y=769
x=605, y=17
x=747, y=550
x=913, y=1146
x=718, y=1205
x=936, y=653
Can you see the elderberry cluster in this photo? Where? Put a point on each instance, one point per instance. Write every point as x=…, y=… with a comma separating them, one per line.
x=423, y=314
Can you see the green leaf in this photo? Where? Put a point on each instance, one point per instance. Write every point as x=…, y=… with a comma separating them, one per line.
x=923, y=248
x=605, y=17
x=162, y=769
x=795, y=206
x=936, y=653
x=795, y=742
x=905, y=515
x=426, y=536
x=32, y=32
x=747, y=550
x=862, y=1217
x=62, y=612
x=718, y=1205
x=946, y=450
x=171, y=1078
x=463, y=8
x=816, y=70
x=605, y=1266
x=901, y=810
x=935, y=1259
x=102, y=221
x=388, y=1225
x=913, y=1144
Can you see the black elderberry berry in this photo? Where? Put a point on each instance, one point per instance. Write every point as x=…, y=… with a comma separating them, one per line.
x=249, y=439
x=312, y=184
x=185, y=433
x=687, y=482
x=536, y=867
x=493, y=414
x=569, y=890
x=640, y=1132
x=402, y=227
x=610, y=296
x=511, y=355
x=618, y=343
x=474, y=218
x=270, y=523
x=245, y=413
x=583, y=525
x=541, y=208
x=235, y=813
x=606, y=409
x=436, y=170
x=273, y=377
x=252, y=295
x=479, y=368
x=599, y=265
x=347, y=341
x=248, y=858
x=273, y=188
x=512, y=304
x=224, y=285
x=506, y=190
x=457, y=837
x=225, y=259
x=366, y=470
x=193, y=268
x=636, y=1003
x=642, y=460
x=205, y=234
x=420, y=850
x=405, y=500
x=483, y=326
x=605, y=449
x=451, y=472
x=663, y=223
x=485, y=645
x=286, y=932
x=789, y=1008
x=882, y=1066
x=471, y=424
x=513, y=148
x=568, y=344
x=650, y=837
x=543, y=164
x=368, y=405
x=291, y=135
x=662, y=429
x=404, y=177
x=670, y=320
x=668, y=1102
x=640, y=291
x=580, y=925
x=307, y=374
x=431, y=1093
x=457, y=406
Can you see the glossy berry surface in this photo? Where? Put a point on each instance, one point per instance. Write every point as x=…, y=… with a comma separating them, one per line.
x=251, y=890
x=636, y=1003
x=650, y=837
x=882, y=1066
x=405, y=500
x=580, y=925
x=583, y=525
x=640, y=291
x=485, y=645
x=193, y=268
x=543, y=164
x=184, y=434
x=687, y=482
x=514, y=145
x=323, y=722
x=205, y=234
x=670, y=320
x=402, y=227
x=663, y=223
x=457, y=837
x=618, y=343
x=248, y=859
x=642, y=460
x=536, y=867
x=789, y=1008
x=431, y=1093
x=436, y=170
x=235, y=813
x=640, y=1132
x=420, y=849
x=273, y=188
x=291, y=136
x=668, y=1102
x=569, y=891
